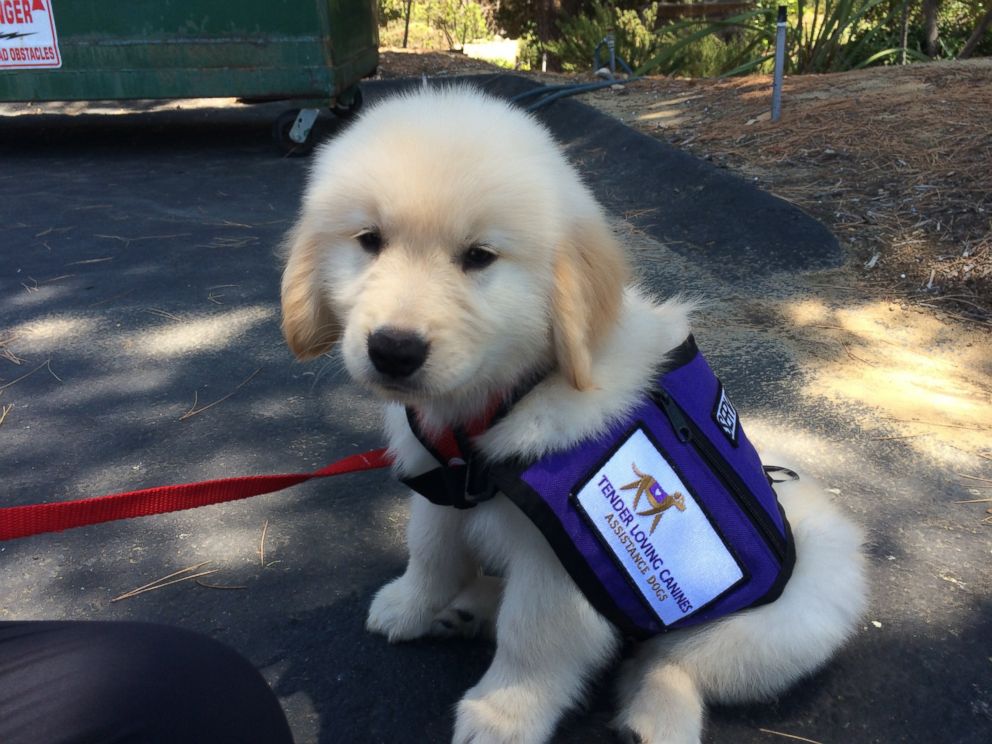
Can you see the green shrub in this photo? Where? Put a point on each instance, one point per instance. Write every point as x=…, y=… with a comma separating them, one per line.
x=834, y=35
x=713, y=54
x=634, y=35
x=391, y=10
x=434, y=24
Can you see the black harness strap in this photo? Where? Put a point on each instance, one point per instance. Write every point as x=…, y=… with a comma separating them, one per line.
x=445, y=485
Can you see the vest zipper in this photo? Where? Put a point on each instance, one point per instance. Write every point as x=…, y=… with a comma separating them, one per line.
x=688, y=432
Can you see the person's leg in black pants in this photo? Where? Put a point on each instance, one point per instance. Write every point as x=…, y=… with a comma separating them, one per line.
x=89, y=682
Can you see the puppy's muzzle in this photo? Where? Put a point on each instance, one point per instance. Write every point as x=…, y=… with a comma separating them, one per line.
x=397, y=353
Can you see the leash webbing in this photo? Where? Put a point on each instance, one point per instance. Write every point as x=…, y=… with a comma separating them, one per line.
x=34, y=519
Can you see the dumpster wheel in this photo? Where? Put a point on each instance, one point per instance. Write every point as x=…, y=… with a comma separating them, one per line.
x=282, y=129
x=348, y=103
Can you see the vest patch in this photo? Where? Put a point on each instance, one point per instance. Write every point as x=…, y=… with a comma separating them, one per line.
x=725, y=416
x=655, y=528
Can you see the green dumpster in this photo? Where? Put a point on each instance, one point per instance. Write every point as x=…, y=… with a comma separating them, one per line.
x=312, y=52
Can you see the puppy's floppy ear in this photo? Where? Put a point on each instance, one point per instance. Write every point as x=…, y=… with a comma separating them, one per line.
x=590, y=271
x=308, y=324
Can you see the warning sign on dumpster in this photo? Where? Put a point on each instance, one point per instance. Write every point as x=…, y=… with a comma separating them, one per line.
x=27, y=35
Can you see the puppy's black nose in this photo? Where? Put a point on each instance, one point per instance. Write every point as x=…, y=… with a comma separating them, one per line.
x=397, y=353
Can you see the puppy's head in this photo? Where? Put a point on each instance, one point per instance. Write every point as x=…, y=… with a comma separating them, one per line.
x=448, y=244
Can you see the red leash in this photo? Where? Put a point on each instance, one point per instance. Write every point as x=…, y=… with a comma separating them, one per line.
x=33, y=519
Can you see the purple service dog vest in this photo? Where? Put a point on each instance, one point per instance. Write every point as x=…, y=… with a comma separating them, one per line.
x=666, y=520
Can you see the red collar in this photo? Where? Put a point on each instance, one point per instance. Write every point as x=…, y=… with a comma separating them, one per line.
x=453, y=445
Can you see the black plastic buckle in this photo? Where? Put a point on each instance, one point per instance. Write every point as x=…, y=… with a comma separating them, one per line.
x=479, y=484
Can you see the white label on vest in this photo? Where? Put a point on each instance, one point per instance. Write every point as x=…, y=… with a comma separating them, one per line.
x=653, y=525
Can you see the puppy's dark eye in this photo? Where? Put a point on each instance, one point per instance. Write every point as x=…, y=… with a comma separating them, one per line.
x=370, y=240
x=477, y=257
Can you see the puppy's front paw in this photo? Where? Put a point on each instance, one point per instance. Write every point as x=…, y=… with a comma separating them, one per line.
x=400, y=611
x=660, y=705
x=647, y=734
x=508, y=715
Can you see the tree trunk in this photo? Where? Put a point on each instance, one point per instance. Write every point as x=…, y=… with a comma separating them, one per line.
x=978, y=33
x=406, y=24
x=931, y=34
x=904, y=40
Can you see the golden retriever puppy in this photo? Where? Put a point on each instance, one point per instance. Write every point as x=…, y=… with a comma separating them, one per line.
x=449, y=247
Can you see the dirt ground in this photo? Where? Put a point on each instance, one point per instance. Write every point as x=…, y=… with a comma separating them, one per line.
x=896, y=161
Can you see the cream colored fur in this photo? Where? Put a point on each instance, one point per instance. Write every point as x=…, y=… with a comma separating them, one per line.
x=439, y=171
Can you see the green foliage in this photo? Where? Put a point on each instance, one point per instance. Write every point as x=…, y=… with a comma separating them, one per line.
x=842, y=36
x=434, y=24
x=634, y=34
x=956, y=20
x=536, y=20
x=391, y=10
x=712, y=47
x=822, y=36
x=458, y=20
x=529, y=53
x=883, y=26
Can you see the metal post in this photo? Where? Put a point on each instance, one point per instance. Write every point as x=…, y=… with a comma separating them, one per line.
x=779, y=64
x=611, y=44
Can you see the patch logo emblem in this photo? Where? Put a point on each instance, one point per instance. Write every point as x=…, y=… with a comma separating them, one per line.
x=725, y=416
x=678, y=564
x=657, y=498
